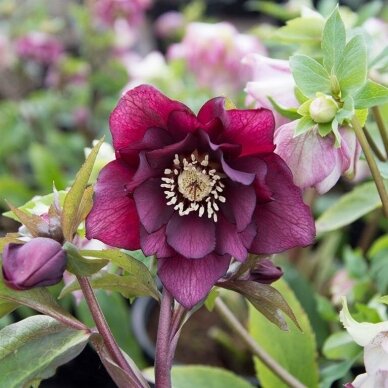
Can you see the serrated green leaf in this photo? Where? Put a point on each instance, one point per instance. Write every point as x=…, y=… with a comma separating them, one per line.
x=80, y=265
x=195, y=376
x=310, y=76
x=38, y=345
x=136, y=269
x=40, y=300
x=73, y=199
x=333, y=41
x=126, y=285
x=287, y=348
x=350, y=207
x=303, y=30
x=290, y=113
x=340, y=346
x=351, y=71
x=266, y=299
x=372, y=94
x=324, y=129
x=303, y=125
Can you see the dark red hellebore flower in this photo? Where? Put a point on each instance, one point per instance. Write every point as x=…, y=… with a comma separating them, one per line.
x=37, y=263
x=195, y=190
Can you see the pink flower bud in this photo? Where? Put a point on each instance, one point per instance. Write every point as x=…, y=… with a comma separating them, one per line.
x=265, y=272
x=39, y=262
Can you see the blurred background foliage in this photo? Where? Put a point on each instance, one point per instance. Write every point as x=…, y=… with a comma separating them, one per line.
x=63, y=66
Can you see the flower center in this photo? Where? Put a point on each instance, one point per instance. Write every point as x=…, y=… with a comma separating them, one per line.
x=193, y=186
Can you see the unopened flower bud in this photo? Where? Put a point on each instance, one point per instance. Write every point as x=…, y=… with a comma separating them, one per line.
x=323, y=109
x=39, y=262
x=265, y=272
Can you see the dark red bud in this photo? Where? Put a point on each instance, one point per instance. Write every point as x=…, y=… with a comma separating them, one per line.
x=39, y=262
x=265, y=272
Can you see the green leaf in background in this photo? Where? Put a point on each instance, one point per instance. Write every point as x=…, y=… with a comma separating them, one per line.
x=368, y=10
x=13, y=189
x=355, y=263
x=379, y=270
x=340, y=346
x=46, y=168
x=74, y=197
x=141, y=276
x=40, y=300
x=195, y=376
x=383, y=299
x=351, y=71
x=303, y=30
x=333, y=41
x=334, y=372
x=370, y=95
x=310, y=76
x=294, y=350
x=118, y=316
x=32, y=349
x=350, y=207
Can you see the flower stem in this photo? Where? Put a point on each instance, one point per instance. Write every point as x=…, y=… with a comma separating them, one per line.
x=264, y=357
x=372, y=164
x=162, y=360
x=103, y=328
x=380, y=124
x=373, y=146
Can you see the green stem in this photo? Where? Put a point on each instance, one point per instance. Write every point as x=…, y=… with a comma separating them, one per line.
x=257, y=350
x=373, y=146
x=372, y=164
x=104, y=330
x=380, y=125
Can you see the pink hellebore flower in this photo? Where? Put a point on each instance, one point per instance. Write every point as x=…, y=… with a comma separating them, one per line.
x=39, y=47
x=195, y=190
x=315, y=160
x=107, y=11
x=213, y=53
x=270, y=78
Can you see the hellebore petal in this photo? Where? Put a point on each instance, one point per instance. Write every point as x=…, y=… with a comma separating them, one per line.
x=37, y=263
x=113, y=218
x=362, y=333
x=212, y=109
x=151, y=205
x=271, y=77
x=155, y=243
x=190, y=280
x=191, y=236
x=311, y=158
x=230, y=241
x=153, y=138
x=252, y=128
x=286, y=217
x=139, y=109
x=240, y=205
